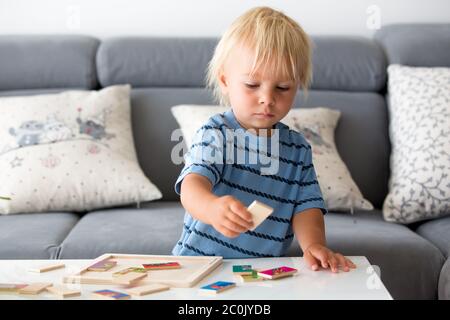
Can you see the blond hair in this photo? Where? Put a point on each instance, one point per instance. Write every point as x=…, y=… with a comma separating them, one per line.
x=276, y=40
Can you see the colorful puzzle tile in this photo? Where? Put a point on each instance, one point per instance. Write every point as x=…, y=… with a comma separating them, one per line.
x=242, y=269
x=276, y=273
x=102, y=266
x=217, y=287
x=110, y=294
x=253, y=277
x=162, y=266
x=128, y=270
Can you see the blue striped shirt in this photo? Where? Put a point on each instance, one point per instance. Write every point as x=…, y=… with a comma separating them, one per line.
x=278, y=172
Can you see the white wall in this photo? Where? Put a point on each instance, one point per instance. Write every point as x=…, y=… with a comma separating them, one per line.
x=105, y=18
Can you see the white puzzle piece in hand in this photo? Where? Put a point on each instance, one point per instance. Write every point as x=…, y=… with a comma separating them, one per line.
x=259, y=212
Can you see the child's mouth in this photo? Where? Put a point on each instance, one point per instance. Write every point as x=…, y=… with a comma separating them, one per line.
x=262, y=115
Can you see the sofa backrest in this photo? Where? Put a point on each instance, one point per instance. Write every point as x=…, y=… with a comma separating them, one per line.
x=349, y=75
x=47, y=62
x=417, y=45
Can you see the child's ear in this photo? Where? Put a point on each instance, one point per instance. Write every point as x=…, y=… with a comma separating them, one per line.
x=223, y=83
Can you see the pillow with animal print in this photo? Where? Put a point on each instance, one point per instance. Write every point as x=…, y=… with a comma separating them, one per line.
x=71, y=151
x=339, y=190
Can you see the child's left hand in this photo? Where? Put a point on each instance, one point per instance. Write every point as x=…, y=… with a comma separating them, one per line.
x=317, y=254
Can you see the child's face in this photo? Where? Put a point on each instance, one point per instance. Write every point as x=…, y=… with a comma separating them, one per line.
x=259, y=100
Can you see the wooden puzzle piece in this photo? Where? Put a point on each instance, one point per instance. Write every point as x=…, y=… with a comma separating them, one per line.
x=144, y=290
x=102, y=266
x=63, y=292
x=35, y=288
x=129, y=278
x=48, y=267
x=110, y=294
x=12, y=287
x=253, y=277
x=242, y=269
x=277, y=273
x=162, y=266
x=128, y=270
x=259, y=212
x=217, y=287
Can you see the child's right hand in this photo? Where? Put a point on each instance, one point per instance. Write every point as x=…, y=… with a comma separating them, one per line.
x=229, y=216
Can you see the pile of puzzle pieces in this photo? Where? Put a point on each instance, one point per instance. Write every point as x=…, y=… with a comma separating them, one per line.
x=128, y=276
x=131, y=275
x=38, y=287
x=245, y=273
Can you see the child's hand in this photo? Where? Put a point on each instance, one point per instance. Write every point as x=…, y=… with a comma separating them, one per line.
x=317, y=254
x=229, y=216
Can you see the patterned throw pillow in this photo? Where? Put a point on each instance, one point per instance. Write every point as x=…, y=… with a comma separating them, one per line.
x=71, y=151
x=419, y=108
x=339, y=190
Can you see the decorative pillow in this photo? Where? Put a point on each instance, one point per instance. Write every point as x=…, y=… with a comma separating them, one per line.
x=71, y=151
x=419, y=108
x=339, y=190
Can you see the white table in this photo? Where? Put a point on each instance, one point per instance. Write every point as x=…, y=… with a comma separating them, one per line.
x=361, y=283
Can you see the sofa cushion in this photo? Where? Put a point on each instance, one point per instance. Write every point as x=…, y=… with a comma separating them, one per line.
x=154, y=62
x=47, y=137
x=348, y=64
x=421, y=45
x=152, y=229
x=60, y=61
x=437, y=232
x=12, y=93
x=400, y=254
x=340, y=63
x=419, y=109
x=34, y=236
x=363, y=145
x=444, y=281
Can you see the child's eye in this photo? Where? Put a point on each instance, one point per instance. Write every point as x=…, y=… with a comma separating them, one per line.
x=251, y=85
x=283, y=88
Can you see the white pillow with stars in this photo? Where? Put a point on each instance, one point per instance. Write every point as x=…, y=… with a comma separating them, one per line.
x=71, y=151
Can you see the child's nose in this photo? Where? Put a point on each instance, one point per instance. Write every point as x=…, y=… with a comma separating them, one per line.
x=267, y=98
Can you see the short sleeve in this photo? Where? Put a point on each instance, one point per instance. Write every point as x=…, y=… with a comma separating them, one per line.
x=205, y=156
x=310, y=194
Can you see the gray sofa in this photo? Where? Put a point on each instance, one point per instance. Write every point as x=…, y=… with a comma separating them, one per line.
x=349, y=75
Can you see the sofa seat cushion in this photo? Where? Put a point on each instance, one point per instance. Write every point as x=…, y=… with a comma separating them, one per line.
x=34, y=235
x=154, y=228
x=437, y=231
x=444, y=281
x=400, y=253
